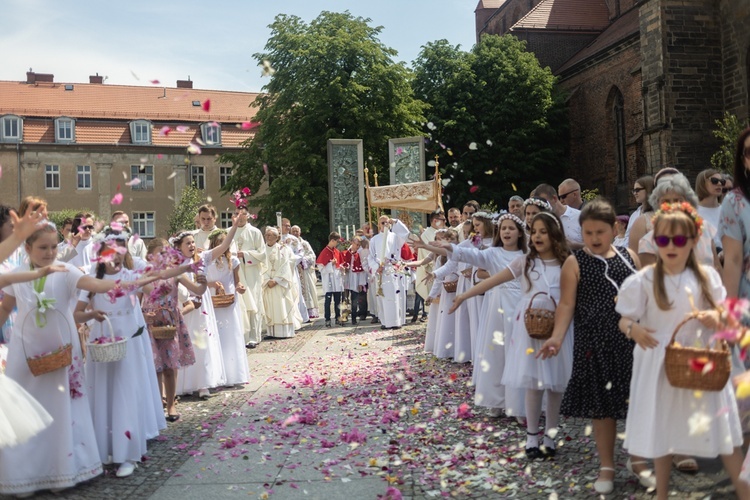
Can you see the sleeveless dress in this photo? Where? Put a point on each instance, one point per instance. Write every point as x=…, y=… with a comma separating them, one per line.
x=599, y=386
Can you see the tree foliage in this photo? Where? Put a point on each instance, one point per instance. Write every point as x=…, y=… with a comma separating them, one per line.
x=333, y=79
x=183, y=214
x=495, y=119
x=728, y=129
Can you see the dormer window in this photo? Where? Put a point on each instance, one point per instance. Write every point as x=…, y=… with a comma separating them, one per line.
x=11, y=128
x=65, y=130
x=140, y=132
x=211, y=133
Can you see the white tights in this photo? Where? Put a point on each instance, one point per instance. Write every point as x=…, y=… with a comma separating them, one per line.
x=534, y=411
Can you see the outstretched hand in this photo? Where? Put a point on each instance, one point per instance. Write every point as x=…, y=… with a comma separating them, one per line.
x=24, y=227
x=456, y=303
x=55, y=268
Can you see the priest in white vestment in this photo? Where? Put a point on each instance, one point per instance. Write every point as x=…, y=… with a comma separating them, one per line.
x=251, y=250
x=384, y=258
x=307, y=275
x=279, y=302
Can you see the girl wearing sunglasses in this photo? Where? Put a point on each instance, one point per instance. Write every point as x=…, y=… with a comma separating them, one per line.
x=652, y=304
x=709, y=187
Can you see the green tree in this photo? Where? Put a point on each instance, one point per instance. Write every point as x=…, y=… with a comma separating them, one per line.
x=183, y=214
x=496, y=120
x=333, y=79
x=727, y=131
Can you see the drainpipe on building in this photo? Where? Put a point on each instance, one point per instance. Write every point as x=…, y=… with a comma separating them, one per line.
x=18, y=162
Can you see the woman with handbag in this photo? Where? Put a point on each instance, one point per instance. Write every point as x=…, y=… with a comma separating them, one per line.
x=664, y=419
x=539, y=271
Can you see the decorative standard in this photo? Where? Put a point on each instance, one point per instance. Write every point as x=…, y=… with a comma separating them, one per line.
x=406, y=160
x=346, y=200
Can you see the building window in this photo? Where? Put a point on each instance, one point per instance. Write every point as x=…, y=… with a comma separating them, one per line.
x=198, y=177
x=140, y=132
x=225, y=220
x=144, y=224
x=211, y=133
x=84, y=176
x=618, y=115
x=11, y=129
x=146, y=174
x=52, y=177
x=65, y=130
x=225, y=173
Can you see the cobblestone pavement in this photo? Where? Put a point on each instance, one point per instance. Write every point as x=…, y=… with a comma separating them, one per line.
x=426, y=452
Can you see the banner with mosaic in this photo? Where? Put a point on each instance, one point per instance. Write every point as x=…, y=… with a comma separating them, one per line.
x=406, y=160
x=345, y=183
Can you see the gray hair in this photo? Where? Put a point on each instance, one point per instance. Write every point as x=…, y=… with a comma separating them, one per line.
x=515, y=197
x=677, y=183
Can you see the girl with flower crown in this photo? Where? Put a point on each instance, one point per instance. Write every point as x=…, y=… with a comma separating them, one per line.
x=664, y=420
x=65, y=453
x=539, y=272
x=493, y=335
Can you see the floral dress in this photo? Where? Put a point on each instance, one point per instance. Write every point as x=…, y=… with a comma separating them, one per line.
x=178, y=351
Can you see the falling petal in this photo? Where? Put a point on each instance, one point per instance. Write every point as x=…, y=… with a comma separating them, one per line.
x=155, y=82
x=513, y=186
x=489, y=172
x=445, y=182
x=473, y=189
x=160, y=156
x=608, y=386
x=182, y=128
x=489, y=142
x=431, y=126
x=127, y=434
x=743, y=390
x=431, y=163
x=473, y=146
x=172, y=175
x=699, y=423
x=209, y=199
x=164, y=131
x=206, y=105
x=485, y=365
x=246, y=126
x=116, y=199
x=194, y=149
x=134, y=182
x=116, y=226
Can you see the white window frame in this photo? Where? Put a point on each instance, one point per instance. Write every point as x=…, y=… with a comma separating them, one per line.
x=225, y=173
x=225, y=220
x=52, y=174
x=146, y=176
x=198, y=176
x=9, y=137
x=68, y=123
x=211, y=133
x=83, y=172
x=137, y=134
x=144, y=224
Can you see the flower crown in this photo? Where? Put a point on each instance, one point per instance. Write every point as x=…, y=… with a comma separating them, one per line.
x=179, y=236
x=684, y=207
x=508, y=216
x=216, y=232
x=239, y=197
x=539, y=202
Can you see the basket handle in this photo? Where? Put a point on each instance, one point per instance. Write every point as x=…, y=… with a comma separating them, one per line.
x=169, y=311
x=62, y=340
x=554, y=302
x=682, y=323
x=111, y=330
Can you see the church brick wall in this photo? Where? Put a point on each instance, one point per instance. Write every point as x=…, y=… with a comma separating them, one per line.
x=735, y=41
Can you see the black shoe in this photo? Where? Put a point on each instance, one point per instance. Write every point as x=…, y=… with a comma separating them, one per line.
x=354, y=322
x=534, y=454
x=374, y=321
x=328, y=323
x=251, y=345
x=414, y=319
x=423, y=319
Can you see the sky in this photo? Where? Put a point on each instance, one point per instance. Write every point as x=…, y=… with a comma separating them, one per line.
x=133, y=42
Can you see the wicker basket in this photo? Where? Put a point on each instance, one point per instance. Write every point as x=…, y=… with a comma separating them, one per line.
x=539, y=322
x=166, y=331
x=450, y=286
x=56, y=360
x=677, y=361
x=221, y=299
x=107, y=353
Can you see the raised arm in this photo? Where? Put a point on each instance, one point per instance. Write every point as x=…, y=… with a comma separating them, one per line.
x=224, y=246
x=11, y=278
x=496, y=279
x=22, y=229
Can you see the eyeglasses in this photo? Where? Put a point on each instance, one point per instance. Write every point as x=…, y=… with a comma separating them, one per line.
x=679, y=240
x=90, y=228
x=637, y=190
x=563, y=196
x=716, y=181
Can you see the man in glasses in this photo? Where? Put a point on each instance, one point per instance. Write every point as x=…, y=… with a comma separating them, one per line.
x=567, y=214
x=385, y=252
x=83, y=226
x=569, y=193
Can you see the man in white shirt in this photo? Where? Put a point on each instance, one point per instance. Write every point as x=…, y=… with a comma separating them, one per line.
x=568, y=215
x=136, y=247
x=385, y=251
x=569, y=193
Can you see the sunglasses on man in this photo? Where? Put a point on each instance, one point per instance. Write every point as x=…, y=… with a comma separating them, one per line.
x=563, y=196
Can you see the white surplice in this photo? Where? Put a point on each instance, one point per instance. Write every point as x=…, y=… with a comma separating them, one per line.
x=386, y=252
x=251, y=250
x=279, y=303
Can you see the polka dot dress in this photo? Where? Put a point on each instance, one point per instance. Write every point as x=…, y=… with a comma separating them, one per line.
x=602, y=355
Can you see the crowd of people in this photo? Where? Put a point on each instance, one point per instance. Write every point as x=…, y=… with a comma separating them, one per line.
x=563, y=307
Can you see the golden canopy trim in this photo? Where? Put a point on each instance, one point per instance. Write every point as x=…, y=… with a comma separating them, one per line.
x=415, y=196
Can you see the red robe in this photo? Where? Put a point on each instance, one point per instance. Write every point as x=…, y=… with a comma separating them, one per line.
x=406, y=254
x=356, y=265
x=328, y=254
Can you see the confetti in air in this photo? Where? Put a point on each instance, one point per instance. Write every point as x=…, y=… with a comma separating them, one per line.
x=206, y=105
x=116, y=199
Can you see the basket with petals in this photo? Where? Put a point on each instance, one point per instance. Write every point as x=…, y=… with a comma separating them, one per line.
x=161, y=326
x=450, y=286
x=107, y=349
x=53, y=360
x=539, y=321
x=222, y=299
x=697, y=368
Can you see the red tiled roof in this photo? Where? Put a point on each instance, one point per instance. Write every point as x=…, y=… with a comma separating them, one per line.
x=124, y=102
x=489, y=4
x=627, y=25
x=566, y=15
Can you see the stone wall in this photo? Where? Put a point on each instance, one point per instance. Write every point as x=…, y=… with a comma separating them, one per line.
x=735, y=41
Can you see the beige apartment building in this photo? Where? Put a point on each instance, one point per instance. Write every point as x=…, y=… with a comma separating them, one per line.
x=77, y=144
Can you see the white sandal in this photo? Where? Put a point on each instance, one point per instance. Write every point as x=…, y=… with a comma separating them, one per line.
x=606, y=486
x=645, y=477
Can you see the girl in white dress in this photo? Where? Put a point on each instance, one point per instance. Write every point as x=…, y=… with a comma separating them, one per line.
x=119, y=392
x=663, y=420
x=224, y=274
x=539, y=272
x=445, y=329
x=208, y=369
x=509, y=243
x=65, y=453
